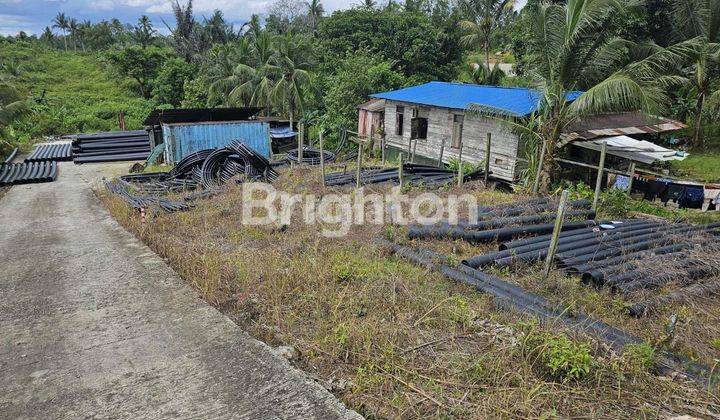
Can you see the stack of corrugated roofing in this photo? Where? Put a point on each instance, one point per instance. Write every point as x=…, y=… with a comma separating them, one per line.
x=27, y=173
x=50, y=152
x=115, y=146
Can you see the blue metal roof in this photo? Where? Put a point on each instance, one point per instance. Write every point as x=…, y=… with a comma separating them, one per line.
x=517, y=102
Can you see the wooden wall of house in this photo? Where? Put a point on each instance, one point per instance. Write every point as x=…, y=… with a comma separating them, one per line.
x=504, y=162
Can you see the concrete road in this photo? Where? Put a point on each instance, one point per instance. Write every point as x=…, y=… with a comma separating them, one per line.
x=94, y=324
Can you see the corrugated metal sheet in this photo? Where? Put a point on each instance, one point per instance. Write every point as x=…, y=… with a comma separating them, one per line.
x=184, y=139
x=606, y=125
x=517, y=102
x=632, y=149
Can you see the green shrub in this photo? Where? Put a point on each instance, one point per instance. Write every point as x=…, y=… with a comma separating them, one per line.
x=562, y=358
x=639, y=357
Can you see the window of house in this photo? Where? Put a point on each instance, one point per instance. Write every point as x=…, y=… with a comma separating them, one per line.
x=399, y=120
x=419, y=128
x=457, y=130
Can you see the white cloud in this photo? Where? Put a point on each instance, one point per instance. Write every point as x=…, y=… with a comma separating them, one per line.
x=12, y=24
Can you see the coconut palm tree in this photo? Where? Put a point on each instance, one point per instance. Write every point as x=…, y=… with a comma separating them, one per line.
x=143, y=32
x=61, y=22
x=73, y=27
x=700, y=19
x=572, y=52
x=484, y=16
x=292, y=66
x=12, y=106
x=315, y=12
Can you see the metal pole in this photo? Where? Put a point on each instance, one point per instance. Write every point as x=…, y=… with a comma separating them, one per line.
x=556, y=234
x=461, y=174
x=442, y=152
x=601, y=172
x=632, y=177
x=322, y=160
x=301, y=134
x=536, y=182
x=400, y=170
x=359, y=164
x=487, y=158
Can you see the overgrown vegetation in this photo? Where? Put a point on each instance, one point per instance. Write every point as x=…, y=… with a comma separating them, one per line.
x=394, y=340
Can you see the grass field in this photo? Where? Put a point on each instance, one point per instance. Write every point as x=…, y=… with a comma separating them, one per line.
x=70, y=92
x=393, y=340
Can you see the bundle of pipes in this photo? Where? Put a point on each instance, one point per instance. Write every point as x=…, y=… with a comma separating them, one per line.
x=114, y=146
x=511, y=296
x=27, y=173
x=139, y=202
x=413, y=174
x=311, y=156
x=51, y=152
x=490, y=228
x=684, y=294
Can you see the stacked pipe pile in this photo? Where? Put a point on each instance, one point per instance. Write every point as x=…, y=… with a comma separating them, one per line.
x=117, y=146
x=51, y=152
x=533, y=217
x=27, y=173
x=413, y=174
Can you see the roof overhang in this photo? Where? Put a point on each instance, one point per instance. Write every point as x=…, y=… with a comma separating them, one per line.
x=636, y=150
x=618, y=124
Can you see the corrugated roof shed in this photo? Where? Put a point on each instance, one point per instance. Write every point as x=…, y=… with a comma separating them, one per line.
x=629, y=123
x=517, y=102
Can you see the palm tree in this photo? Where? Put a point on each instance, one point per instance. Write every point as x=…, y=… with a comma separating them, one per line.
x=700, y=19
x=293, y=70
x=47, y=36
x=368, y=4
x=484, y=18
x=73, y=26
x=61, y=22
x=245, y=76
x=572, y=52
x=315, y=12
x=143, y=32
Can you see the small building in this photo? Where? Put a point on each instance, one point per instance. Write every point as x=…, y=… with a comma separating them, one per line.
x=433, y=119
x=371, y=117
x=436, y=115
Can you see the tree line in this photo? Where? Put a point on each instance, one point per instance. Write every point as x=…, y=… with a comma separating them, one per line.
x=658, y=56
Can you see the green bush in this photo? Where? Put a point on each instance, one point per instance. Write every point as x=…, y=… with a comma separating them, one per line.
x=563, y=359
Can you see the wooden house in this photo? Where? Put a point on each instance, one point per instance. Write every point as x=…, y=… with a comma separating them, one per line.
x=437, y=117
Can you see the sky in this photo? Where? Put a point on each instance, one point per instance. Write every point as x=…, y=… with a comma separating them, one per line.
x=32, y=16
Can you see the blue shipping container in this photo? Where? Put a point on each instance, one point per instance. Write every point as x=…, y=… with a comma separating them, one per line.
x=184, y=139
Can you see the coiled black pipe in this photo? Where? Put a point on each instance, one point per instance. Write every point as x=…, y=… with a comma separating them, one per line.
x=311, y=156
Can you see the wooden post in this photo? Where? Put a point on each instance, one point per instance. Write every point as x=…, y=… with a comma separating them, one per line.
x=412, y=159
x=372, y=143
x=410, y=148
x=601, y=172
x=536, y=183
x=121, y=120
x=400, y=170
x=442, y=152
x=322, y=159
x=301, y=134
x=359, y=164
x=382, y=150
x=461, y=174
x=487, y=158
x=556, y=234
x=632, y=177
